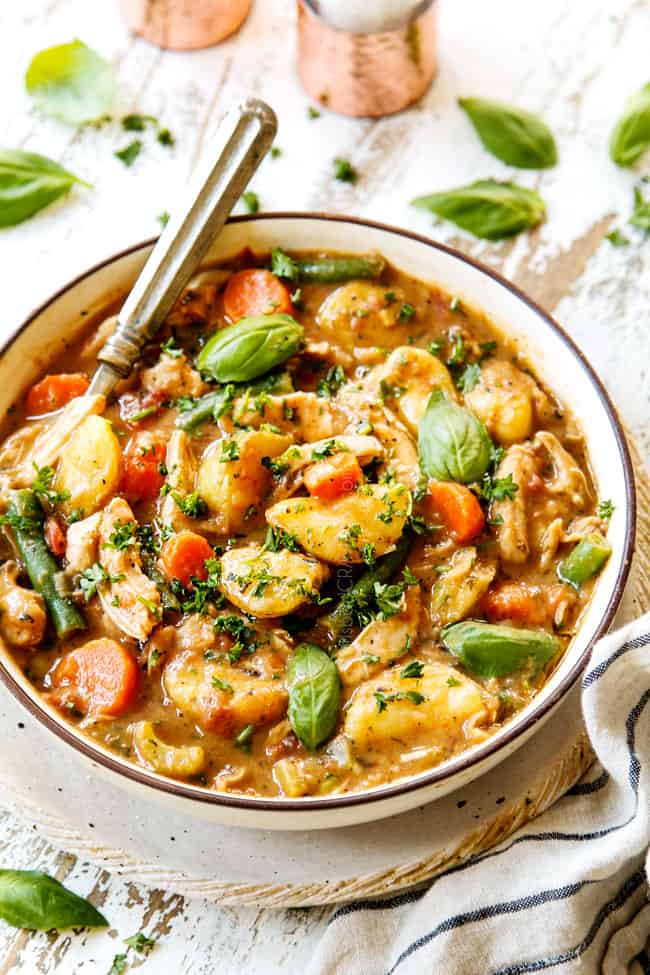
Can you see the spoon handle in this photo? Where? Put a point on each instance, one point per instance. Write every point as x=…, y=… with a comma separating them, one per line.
x=239, y=146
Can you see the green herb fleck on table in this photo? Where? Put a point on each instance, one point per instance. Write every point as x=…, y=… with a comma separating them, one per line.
x=163, y=219
x=130, y=153
x=344, y=171
x=312, y=112
x=617, y=238
x=251, y=201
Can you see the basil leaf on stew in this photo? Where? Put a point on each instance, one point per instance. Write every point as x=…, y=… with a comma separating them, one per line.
x=71, y=82
x=314, y=695
x=641, y=214
x=453, y=444
x=631, y=135
x=487, y=208
x=249, y=348
x=29, y=182
x=516, y=137
x=31, y=899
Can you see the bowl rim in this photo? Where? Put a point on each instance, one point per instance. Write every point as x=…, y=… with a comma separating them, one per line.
x=453, y=766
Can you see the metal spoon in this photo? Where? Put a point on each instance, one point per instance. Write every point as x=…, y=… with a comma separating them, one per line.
x=240, y=144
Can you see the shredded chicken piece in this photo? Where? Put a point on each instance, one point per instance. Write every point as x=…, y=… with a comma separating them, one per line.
x=565, y=478
x=401, y=451
x=130, y=599
x=22, y=611
x=172, y=377
x=512, y=533
x=579, y=527
x=328, y=352
x=305, y=415
x=81, y=543
x=549, y=542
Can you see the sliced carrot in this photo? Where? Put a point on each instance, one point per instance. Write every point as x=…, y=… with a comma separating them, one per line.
x=102, y=677
x=333, y=477
x=144, y=471
x=255, y=292
x=514, y=601
x=456, y=509
x=184, y=555
x=54, y=536
x=55, y=391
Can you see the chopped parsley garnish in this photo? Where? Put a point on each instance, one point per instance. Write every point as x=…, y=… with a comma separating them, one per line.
x=163, y=218
x=93, y=577
x=344, y=171
x=137, y=123
x=329, y=448
x=276, y=466
x=150, y=606
x=498, y=488
x=389, y=391
x=332, y=382
x=42, y=486
x=389, y=597
x=222, y=685
x=406, y=312
x=229, y=451
x=312, y=112
x=414, y=669
x=617, y=238
x=276, y=152
x=605, y=510
x=453, y=682
x=284, y=266
x=123, y=536
x=436, y=347
x=191, y=504
x=370, y=658
x=368, y=553
x=383, y=699
x=277, y=539
x=203, y=591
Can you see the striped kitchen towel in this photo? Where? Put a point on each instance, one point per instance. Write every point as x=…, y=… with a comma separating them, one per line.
x=567, y=893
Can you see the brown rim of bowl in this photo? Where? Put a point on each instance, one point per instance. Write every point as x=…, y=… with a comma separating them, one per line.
x=453, y=766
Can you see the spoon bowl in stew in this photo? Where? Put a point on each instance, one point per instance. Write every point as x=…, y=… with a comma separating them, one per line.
x=375, y=733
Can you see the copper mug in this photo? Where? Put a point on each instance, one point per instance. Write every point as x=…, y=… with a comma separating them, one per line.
x=366, y=74
x=184, y=25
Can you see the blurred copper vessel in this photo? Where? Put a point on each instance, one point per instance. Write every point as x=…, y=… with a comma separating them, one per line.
x=184, y=25
x=366, y=74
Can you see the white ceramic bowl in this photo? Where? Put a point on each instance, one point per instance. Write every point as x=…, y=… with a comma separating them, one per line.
x=555, y=359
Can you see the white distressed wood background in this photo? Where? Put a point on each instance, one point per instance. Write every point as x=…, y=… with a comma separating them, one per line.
x=575, y=61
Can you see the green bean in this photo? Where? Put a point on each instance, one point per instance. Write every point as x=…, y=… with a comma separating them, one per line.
x=362, y=592
x=326, y=270
x=216, y=404
x=585, y=560
x=203, y=410
x=25, y=519
x=333, y=270
x=493, y=650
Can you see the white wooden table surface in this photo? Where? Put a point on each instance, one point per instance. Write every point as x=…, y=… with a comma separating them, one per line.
x=575, y=62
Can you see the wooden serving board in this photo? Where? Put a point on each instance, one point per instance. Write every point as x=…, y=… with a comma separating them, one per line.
x=45, y=783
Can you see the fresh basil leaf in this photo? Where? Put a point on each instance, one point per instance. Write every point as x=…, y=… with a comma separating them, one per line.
x=487, y=208
x=33, y=900
x=516, y=137
x=314, y=694
x=28, y=183
x=631, y=135
x=251, y=347
x=453, y=444
x=71, y=82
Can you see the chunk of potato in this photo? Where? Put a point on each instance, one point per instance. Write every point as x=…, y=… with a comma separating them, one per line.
x=220, y=697
x=507, y=401
x=450, y=715
x=368, y=521
x=90, y=467
x=269, y=583
x=231, y=487
x=166, y=759
x=460, y=586
x=412, y=374
x=360, y=313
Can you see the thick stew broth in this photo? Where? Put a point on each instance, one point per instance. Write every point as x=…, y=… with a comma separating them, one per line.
x=331, y=532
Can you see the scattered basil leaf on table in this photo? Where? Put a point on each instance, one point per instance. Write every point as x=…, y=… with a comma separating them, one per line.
x=33, y=900
x=641, y=214
x=250, y=348
x=516, y=137
x=71, y=82
x=314, y=695
x=28, y=183
x=631, y=135
x=487, y=208
x=494, y=650
x=453, y=445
